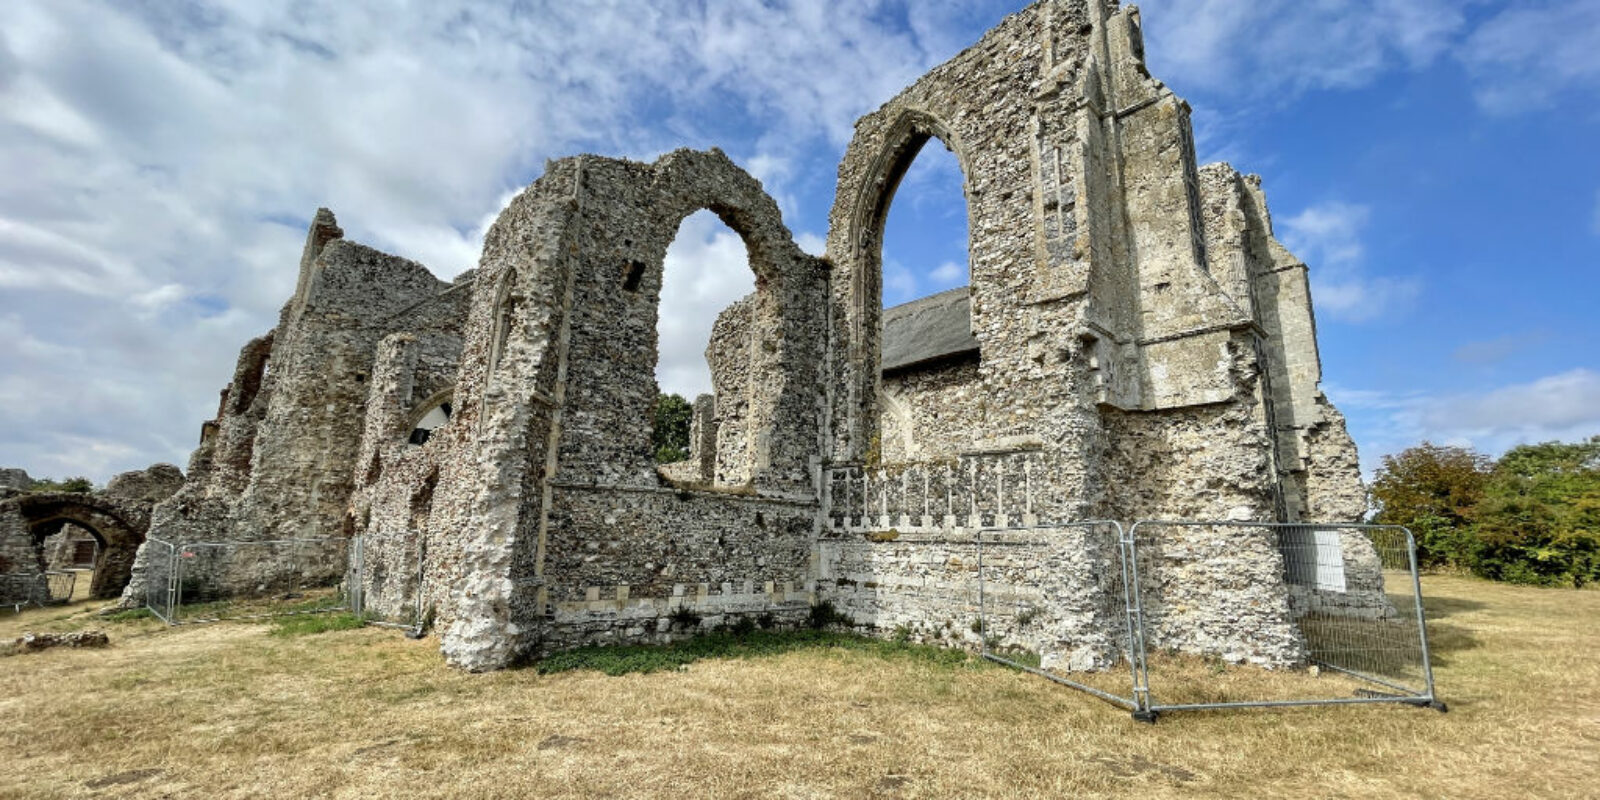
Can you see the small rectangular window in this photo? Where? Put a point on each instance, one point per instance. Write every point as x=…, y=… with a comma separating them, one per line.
x=635, y=274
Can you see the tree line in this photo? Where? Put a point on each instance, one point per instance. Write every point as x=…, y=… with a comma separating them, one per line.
x=1532, y=516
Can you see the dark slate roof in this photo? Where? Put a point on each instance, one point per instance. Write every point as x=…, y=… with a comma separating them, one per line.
x=931, y=328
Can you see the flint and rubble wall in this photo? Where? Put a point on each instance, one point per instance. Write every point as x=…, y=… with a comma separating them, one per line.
x=304, y=456
x=931, y=411
x=621, y=561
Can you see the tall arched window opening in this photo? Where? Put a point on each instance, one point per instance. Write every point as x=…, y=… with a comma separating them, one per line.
x=506, y=305
x=928, y=357
x=925, y=234
x=705, y=276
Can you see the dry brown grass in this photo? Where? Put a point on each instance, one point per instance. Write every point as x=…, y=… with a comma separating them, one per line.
x=227, y=711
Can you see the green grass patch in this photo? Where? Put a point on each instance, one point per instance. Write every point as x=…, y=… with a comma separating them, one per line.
x=626, y=659
x=307, y=624
x=130, y=615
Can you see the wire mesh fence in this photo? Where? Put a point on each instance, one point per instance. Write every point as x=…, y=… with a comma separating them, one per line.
x=59, y=586
x=194, y=582
x=1270, y=614
x=1056, y=601
x=161, y=578
x=1190, y=615
x=386, y=580
x=46, y=588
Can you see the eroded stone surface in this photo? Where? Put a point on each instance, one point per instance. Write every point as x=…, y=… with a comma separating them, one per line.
x=1135, y=343
x=14, y=481
x=35, y=642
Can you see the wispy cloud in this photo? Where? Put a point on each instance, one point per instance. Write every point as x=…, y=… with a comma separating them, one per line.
x=949, y=274
x=1328, y=237
x=1488, y=352
x=1275, y=49
x=899, y=283
x=1564, y=406
x=1531, y=56
x=162, y=160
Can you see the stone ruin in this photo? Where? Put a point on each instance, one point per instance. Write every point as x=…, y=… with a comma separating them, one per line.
x=1134, y=343
x=99, y=530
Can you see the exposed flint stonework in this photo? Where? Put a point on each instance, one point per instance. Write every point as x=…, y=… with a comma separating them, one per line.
x=1134, y=343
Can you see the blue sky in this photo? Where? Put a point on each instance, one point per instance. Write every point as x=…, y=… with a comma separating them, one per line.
x=1433, y=162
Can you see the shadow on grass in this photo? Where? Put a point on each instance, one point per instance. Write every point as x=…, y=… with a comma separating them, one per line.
x=626, y=659
x=1439, y=607
x=1444, y=639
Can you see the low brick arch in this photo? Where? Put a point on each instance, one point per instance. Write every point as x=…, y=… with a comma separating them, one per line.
x=119, y=528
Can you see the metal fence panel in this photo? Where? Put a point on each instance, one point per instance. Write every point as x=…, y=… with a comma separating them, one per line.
x=387, y=579
x=160, y=578
x=59, y=585
x=47, y=588
x=1239, y=614
x=211, y=581
x=20, y=589
x=1055, y=600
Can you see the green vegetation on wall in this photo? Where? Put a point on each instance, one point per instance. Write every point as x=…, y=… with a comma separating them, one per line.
x=670, y=432
x=75, y=484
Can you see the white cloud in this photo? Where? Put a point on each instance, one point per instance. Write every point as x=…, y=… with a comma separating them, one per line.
x=899, y=283
x=1531, y=55
x=162, y=160
x=1279, y=48
x=1328, y=234
x=1547, y=407
x=1235, y=60
x=158, y=299
x=1564, y=406
x=1328, y=238
x=814, y=243
x=707, y=268
x=949, y=274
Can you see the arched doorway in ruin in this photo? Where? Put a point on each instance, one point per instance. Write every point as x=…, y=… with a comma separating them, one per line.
x=118, y=531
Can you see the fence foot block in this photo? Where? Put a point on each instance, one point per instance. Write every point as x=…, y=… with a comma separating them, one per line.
x=1147, y=717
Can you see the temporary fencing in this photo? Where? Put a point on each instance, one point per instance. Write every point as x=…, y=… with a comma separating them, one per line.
x=1041, y=586
x=191, y=582
x=386, y=580
x=1287, y=614
x=47, y=588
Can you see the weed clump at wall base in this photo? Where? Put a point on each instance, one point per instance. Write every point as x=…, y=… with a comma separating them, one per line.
x=627, y=659
x=130, y=615
x=684, y=617
x=823, y=616
x=307, y=624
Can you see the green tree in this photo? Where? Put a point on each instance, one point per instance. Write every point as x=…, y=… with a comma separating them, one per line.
x=74, y=484
x=1433, y=490
x=1539, y=521
x=670, y=434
